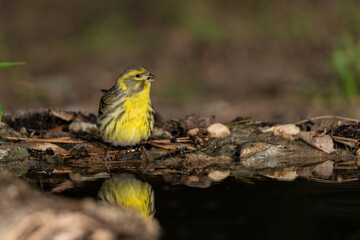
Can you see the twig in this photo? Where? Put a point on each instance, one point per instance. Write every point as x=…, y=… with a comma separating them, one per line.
x=327, y=117
x=115, y=151
x=120, y=161
x=68, y=140
x=167, y=147
x=346, y=167
x=347, y=163
x=178, y=140
x=100, y=153
x=59, y=128
x=173, y=146
x=44, y=140
x=346, y=141
x=164, y=170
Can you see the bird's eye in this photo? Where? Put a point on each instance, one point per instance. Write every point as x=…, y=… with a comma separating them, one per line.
x=137, y=76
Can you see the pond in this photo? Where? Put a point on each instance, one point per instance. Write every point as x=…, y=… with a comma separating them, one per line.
x=238, y=208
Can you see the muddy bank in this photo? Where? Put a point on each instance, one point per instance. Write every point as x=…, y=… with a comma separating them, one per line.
x=55, y=139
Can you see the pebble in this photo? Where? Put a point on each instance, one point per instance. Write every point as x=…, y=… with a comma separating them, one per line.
x=161, y=133
x=218, y=130
x=193, y=132
x=14, y=154
x=288, y=131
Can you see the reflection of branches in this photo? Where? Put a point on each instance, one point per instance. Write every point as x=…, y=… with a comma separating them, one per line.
x=333, y=180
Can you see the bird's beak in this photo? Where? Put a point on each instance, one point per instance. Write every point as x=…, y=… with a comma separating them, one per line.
x=150, y=78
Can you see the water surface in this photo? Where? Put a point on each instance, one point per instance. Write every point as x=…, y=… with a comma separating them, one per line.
x=233, y=209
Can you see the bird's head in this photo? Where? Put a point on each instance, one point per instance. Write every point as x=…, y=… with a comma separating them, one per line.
x=135, y=78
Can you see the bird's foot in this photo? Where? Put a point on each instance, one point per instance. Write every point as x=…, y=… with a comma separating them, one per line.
x=107, y=156
x=145, y=157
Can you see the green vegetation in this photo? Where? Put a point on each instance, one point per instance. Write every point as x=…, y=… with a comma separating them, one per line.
x=345, y=62
x=9, y=64
x=0, y=112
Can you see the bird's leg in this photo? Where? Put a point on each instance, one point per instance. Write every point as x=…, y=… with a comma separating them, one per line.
x=107, y=156
x=145, y=156
x=119, y=150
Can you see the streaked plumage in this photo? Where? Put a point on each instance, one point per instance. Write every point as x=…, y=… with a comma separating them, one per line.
x=126, y=116
x=128, y=192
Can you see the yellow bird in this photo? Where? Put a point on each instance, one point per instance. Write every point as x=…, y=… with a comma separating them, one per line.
x=126, y=115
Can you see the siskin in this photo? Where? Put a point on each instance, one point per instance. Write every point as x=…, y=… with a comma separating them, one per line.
x=126, y=115
x=128, y=192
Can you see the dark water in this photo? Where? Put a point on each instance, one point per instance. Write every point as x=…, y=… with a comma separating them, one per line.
x=267, y=209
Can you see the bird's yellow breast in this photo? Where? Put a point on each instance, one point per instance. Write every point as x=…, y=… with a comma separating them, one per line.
x=133, y=120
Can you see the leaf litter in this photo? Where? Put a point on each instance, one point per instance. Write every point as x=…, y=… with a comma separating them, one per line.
x=244, y=145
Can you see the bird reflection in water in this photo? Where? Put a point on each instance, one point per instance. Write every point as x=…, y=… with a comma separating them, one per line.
x=129, y=192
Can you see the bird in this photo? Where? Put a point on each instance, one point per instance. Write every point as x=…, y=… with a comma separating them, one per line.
x=126, y=114
x=127, y=191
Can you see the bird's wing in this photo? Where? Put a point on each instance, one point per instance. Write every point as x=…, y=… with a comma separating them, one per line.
x=109, y=99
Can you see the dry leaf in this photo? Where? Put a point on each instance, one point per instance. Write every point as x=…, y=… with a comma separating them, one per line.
x=66, y=116
x=44, y=146
x=320, y=141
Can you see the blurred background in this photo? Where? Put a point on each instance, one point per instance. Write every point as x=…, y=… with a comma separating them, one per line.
x=274, y=60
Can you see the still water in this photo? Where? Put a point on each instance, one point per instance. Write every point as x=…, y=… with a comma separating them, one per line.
x=266, y=209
